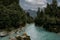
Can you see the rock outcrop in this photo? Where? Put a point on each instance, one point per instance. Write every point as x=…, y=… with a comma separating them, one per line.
x=23, y=37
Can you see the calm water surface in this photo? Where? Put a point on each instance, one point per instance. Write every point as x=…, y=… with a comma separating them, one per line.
x=36, y=33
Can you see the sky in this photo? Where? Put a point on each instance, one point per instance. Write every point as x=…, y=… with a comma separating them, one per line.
x=34, y=4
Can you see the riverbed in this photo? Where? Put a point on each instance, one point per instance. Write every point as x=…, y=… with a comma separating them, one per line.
x=35, y=33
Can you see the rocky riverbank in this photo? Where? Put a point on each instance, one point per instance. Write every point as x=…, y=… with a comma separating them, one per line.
x=23, y=37
x=5, y=33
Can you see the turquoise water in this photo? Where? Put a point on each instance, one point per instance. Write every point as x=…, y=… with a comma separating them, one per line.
x=37, y=33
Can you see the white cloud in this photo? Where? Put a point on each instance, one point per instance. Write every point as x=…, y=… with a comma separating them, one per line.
x=58, y=3
x=34, y=4
x=28, y=0
x=36, y=1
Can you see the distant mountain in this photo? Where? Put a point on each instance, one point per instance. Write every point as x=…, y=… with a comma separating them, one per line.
x=32, y=13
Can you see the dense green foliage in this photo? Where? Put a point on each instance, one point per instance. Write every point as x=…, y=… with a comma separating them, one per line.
x=29, y=18
x=39, y=20
x=11, y=14
x=50, y=17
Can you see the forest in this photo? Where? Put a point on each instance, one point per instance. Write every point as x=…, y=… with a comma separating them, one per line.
x=17, y=23
x=49, y=18
x=12, y=16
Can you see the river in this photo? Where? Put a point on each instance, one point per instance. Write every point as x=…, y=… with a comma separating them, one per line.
x=36, y=33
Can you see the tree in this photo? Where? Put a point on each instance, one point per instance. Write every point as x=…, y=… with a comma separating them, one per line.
x=38, y=12
x=39, y=20
x=54, y=7
x=11, y=14
x=51, y=19
x=54, y=3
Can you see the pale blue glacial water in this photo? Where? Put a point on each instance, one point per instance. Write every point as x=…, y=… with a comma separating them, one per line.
x=36, y=33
